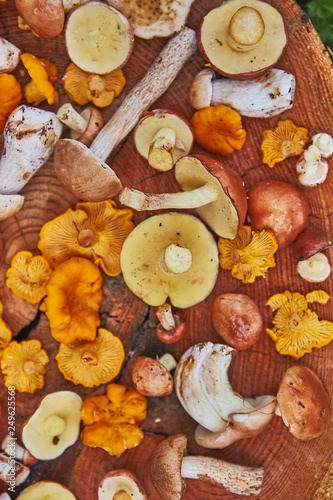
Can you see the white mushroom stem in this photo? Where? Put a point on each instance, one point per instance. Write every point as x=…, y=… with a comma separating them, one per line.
x=168, y=361
x=54, y=425
x=161, y=148
x=315, y=269
x=177, y=259
x=159, y=77
x=12, y=448
x=165, y=316
x=12, y=472
x=235, y=478
x=10, y=204
x=70, y=117
x=187, y=199
x=264, y=96
x=30, y=137
x=324, y=142
x=9, y=56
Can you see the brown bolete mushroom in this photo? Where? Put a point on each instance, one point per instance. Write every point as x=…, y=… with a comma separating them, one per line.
x=121, y=484
x=83, y=127
x=152, y=377
x=303, y=403
x=170, y=255
x=242, y=39
x=45, y=17
x=170, y=467
x=237, y=319
x=171, y=328
x=82, y=171
x=46, y=489
x=162, y=136
x=264, y=96
x=216, y=192
x=54, y=426
x=99, y=38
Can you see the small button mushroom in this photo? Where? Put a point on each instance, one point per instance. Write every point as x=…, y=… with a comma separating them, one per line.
x=54, y=426
x=310, y=242
x=312, y=264
x=170, y=467
x=45, y=17
x=215, y=190
x=314, y=269
x=324, y=142
x=264, y=96
x=148, y=275
x=237, y=319
x=121, y=484
x=171, y=328
x=9, y=56
x=312, y=170
x=46, y=489
x=85, y=126
x=162, y=137
x=151, y=377
x=303, y=403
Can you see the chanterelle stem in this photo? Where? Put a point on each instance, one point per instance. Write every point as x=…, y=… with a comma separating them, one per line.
x=186, y=199
x=235, y=478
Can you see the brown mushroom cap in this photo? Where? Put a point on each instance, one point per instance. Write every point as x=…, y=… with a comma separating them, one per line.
x=45, y=17
x=151, y=378
x=303, y=402
x=237, y=319
x=165, y=467
x=94, y=124
x=82, y=173
x=310, y=242
x=227, y=214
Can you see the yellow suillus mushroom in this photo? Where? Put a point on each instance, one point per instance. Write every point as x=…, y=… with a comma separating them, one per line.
x=5, y=332
x=83, y=87
x=10, y=96
x=23, y=365
x=112, y=421
x=74, y=294
x=28, y=275
x=95, y=231
x=38, y=73
x=296, y=329
x=31, y=92
x=219, y=129
x=249, y=255
x=91, y=363
x=285, y=140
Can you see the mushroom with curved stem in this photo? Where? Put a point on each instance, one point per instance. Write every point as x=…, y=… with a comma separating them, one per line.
x=162, y=137
x=85, y=126
x=170, y=467
x=82, y=171
x=264, y=96
x=171, y=328
x=121, y=484
x=215, y=190
x=152, y=277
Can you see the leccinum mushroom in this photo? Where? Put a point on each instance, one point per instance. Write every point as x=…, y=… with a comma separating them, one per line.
x=261, y=97
x=30, y=137
x=215, y=190
x=9, y=56
x=170, y=467
x=83, y=171
x=121, y=484
x=154, y=274
x=85, y=126
x=204, y=391
x=162, y=137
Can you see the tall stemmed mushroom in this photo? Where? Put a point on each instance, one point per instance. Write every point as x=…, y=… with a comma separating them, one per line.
x=83, y=126
x=83, y=171
x=170, y=466
x=215, y=190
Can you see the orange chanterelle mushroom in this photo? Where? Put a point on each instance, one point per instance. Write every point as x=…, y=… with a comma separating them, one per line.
x=41, y=73
x=297, y=329
x=5, y=332
x=91, y=363
x=23, y=365
x=95, y=231
x=112, y=421
x=83, y=87
x=249, y=255
x=28, y=275
x=74, y=294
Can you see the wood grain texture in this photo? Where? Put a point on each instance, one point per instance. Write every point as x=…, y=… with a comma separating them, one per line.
x=294, y=470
